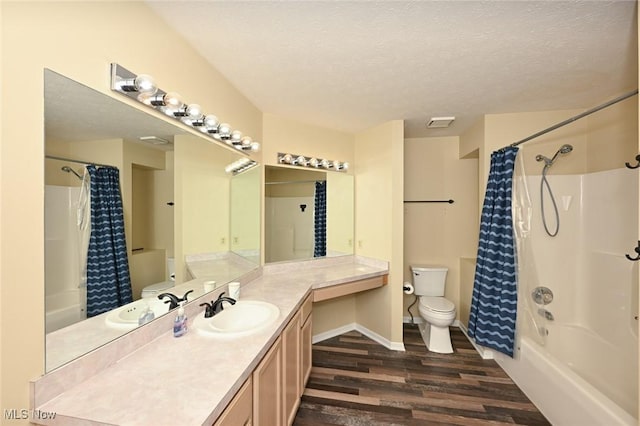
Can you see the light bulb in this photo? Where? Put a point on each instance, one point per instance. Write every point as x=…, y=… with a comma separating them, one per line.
x=236, y=136
x=225, y=130
x=194, y=112
x=325, y=163
x=313, y=162
x=301, y=161
x=345, y=166
x=246, y=141
x=337, y=165
x=144, y=84
x=286, y=159
x=211, y=123
x=173, y=101
x=255, y=146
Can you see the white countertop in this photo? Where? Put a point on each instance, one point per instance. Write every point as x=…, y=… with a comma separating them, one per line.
x=190, y=380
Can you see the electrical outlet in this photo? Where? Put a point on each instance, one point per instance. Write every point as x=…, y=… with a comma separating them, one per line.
x=350, y=242
x=223, y=240
x=359, y=243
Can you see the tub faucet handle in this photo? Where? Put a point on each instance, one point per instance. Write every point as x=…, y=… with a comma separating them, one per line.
x=542, y=295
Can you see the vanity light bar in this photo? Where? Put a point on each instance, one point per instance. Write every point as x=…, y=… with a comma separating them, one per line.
x=302, y=161
x=239, y=166
x=143, y=89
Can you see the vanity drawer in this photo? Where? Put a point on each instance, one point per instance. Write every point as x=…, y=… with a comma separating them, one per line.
x=338, y=290
x=240, y=409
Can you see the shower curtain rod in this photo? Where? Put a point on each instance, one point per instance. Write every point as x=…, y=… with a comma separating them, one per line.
x=53, y=157
x=295, y=181
x=574, y=118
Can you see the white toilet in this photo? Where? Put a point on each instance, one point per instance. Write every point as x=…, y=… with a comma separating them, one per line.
x=438, y=312
x=153, y=290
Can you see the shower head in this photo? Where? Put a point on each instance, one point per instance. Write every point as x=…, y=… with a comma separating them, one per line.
x=564, y=149
x=70, y=170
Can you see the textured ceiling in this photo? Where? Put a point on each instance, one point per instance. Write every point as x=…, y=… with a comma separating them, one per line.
x=68, y=118
x=353, y=65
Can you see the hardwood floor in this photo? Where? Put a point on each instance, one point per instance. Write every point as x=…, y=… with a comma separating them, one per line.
x=356, y=381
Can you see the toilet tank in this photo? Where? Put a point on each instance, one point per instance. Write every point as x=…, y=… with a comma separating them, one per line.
x=429, y=280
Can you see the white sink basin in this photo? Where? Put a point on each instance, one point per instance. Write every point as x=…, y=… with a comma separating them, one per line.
x=126, y=316
x=241, y=319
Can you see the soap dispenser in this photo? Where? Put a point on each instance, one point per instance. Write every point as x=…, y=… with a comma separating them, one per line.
x=180, y=323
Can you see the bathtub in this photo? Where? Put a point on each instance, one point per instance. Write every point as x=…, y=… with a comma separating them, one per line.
x=555, y=386
x=64, y=308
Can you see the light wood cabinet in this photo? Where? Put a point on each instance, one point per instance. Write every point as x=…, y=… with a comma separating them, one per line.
x=267, y=388
x=291, y=368
x=239, y=412
x=271, y=396
x=305, y=342
x=305, y=353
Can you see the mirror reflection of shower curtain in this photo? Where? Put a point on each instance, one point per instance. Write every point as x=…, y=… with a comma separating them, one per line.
x=108, y=278
x=320, y=220
x=83, y=216
x=528, y=316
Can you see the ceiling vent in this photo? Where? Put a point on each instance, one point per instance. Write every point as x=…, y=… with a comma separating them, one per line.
x=439, y=122
x=154, y=140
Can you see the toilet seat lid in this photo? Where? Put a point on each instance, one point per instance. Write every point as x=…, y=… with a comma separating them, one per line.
x=437, y=304
x=159, y=286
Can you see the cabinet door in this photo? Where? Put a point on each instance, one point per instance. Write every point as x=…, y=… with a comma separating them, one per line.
x=267, y=388
x=291, y=368
x=305, y=352
x=239, y=410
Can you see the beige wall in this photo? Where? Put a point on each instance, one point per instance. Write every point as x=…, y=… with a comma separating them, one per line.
x=439, y=233
x=379, y=223
x=202, y=199
x=286, y=135
x=78, y=40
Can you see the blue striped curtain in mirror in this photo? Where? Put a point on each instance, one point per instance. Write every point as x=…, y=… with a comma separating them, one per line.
x=492, y=321
x=108, y=279
x=320, y=220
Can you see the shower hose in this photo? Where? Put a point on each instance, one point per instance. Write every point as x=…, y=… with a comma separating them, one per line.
x=545, y=183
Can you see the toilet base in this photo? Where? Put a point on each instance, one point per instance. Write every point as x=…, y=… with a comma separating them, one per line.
x=437, y=339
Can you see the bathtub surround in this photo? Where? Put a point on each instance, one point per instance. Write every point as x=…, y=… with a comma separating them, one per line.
x=69, y=392
x=595, y=300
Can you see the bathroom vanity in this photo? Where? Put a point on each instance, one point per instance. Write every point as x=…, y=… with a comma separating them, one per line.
x=203, y=379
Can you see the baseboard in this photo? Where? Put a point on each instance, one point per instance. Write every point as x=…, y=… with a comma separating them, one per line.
x=416, y=320
x=394, y=346
x=333, y=333
x=485, y=353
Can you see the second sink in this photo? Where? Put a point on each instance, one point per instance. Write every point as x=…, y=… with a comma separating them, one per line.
x=245, y=317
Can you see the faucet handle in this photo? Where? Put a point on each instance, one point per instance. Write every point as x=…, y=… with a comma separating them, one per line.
x=184, y=298
x=173, y=300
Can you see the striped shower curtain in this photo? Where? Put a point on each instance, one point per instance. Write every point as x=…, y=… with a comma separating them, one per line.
x=108, y=280
x=492, y=322
x=320, y=220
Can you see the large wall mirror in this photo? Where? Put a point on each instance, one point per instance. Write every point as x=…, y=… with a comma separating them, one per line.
x=186, y=219
x=294, y=227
